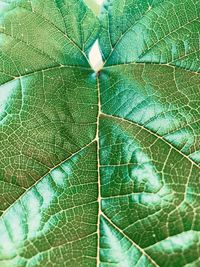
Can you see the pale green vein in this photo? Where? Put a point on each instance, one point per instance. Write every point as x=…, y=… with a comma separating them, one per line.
x=132, y=242
x=154, y=134
x=54, y=167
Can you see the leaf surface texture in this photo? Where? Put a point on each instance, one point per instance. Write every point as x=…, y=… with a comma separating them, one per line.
x=99, y=169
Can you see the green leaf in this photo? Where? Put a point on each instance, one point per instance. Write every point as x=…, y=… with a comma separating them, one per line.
x=54, y=221
x=99, y=169
x=95, y=7
x=158, y=31
x=150, y=150
x=48, y=114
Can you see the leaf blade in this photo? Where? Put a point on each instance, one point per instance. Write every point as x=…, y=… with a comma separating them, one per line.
x=149, y=35
x=58, y=197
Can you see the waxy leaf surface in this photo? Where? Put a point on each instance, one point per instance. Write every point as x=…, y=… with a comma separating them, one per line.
x=99, y=169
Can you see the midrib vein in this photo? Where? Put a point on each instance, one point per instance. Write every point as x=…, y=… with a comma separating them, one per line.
x=151, y=63
x=98, y=171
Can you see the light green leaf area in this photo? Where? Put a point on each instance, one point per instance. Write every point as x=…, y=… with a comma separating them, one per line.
x=94, y=6
x=36, y=35
x=99, y=169
x=159, y=31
